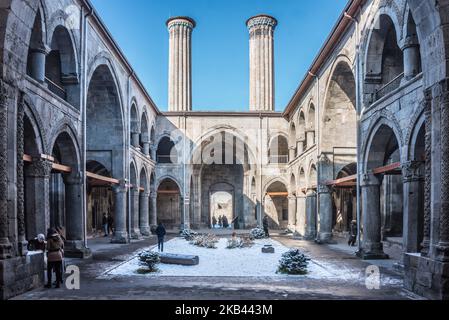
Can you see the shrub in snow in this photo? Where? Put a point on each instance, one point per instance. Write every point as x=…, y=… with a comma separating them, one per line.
x=206, y=241
x=188, y=234
x=149, y=259
x=293, y=262
x=257, y=233
x=244, y=242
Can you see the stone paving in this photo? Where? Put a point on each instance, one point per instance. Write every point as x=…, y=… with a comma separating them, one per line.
x=96, y=286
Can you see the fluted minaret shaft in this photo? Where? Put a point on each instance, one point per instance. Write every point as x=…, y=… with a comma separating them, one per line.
x=180, y=64
x=261, y=45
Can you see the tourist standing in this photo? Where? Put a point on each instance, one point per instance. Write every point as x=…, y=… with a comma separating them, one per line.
x=265, y=226
x=225, y=222
x=55, y=247
x=160, y=232
x=352, y=233
x=104, y=222
x=110, y=224
x=220, y=221
x=214, y=222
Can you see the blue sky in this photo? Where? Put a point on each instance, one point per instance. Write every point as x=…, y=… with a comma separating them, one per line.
x=220, y=48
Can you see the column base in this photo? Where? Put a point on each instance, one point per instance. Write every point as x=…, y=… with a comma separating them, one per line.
x=145, y=231
x=310, y=236
x=325, y=238
x=135, y=234
x=442, y=251
x=5, y=248
x=372, y=255
x=120, y=237
x=21, y=274
x=76, y=249
x=153, y=229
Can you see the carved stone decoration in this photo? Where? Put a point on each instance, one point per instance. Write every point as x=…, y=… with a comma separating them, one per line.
x=411, y=171
x=443, y=245
x=40, y=168
x=20, y=176
x=427, y=173
x=5, y=246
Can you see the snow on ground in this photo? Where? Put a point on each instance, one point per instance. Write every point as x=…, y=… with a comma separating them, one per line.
x=246, y=262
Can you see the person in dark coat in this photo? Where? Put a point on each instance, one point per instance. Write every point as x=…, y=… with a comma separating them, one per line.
x=225, y=222
x=160, y=232
x=104, y=222
x=55, y=254
x=220, y=221
x=352, y=233
x=265, y=226
x=110, y=224
x=214, y=222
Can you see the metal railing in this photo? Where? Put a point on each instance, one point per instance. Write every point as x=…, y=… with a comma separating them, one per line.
x=56, y=89
x=389, y=87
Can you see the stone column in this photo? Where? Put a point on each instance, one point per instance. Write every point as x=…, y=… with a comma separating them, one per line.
x=144, y=214
x=301, y=214
x=442, y=248
x=146, y=148
x=38, y=201
x=427, y=174
x=291, y=212
x=5, y=245
x=135, y=194
x=22, y=243
x=372, y=247
x=153, y=209
x=310, y=215
x=413, y=189
x=120, y=233
x=153, y=150
x=186, y=212
x=38, y=57
x=310, y=138
x=261, y=30
x=325, y=212
x=180, y=64
x=411, y=57
x=74, y=245
x=300, y=146
x=291, y=153
x=135, y=136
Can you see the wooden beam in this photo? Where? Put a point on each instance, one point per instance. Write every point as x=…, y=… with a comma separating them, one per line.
x=61, y=168
x=387, y=169
x=27, y=158
x=102, y=178
x=277, y=194
x=342, y=180
x=168, y=192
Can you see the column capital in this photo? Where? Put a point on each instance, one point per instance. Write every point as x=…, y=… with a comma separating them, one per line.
x=73, y=179
x=145, y=194
x=310, y=192
x=41, y=48
x=121, y=187
x=291, y=197
x=39, y=168
x=410, y=41
x=413, y=171
x=369, y=179
x=322, y=188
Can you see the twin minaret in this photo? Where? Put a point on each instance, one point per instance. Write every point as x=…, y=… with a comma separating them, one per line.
x=261, y=29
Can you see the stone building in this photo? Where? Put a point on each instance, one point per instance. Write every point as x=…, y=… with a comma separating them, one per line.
x=363, y=138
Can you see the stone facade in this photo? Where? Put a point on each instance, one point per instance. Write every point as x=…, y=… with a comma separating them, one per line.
x=363, y=138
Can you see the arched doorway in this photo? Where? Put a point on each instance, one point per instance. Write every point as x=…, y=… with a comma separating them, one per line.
x=100, y=198
x=276, y=205
x=221, y=202
x=106, y=141
x=169, y=204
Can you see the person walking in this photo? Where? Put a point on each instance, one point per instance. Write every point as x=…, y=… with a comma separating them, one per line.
x=265, y=226
x=352, y=233
x=104, y=222
x=160, y=232
x=110, y=224
x=55, y=247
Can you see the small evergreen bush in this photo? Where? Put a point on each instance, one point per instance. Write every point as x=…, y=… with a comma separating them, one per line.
x=148, y=259
x=257, y=233
x=188, y=234
x=293, y=262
